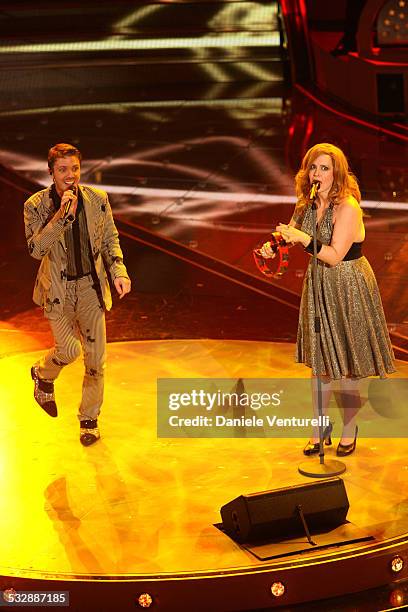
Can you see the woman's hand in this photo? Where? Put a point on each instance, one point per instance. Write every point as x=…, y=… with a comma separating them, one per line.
x=266, y=251
x=293, y=235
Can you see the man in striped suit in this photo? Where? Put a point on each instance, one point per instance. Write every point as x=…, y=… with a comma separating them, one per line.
x=70, y=228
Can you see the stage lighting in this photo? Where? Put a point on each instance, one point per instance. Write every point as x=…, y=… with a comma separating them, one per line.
x=278, y=589
x=397, y=598
x=397, y=564
x=9, y=595
x=145, y=600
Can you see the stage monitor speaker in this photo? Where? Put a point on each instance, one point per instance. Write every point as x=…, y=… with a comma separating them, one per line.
x=274, y=515
x=390, y=93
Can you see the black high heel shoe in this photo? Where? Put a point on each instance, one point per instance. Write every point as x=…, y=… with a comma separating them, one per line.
x=346, y=449
x=312, y=449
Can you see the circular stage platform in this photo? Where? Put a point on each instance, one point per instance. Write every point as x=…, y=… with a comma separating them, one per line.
x=135, y=513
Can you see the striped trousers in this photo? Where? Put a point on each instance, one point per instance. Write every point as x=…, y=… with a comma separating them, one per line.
x=81, y=324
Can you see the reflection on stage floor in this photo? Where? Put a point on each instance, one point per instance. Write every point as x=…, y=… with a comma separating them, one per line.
x=136, y=504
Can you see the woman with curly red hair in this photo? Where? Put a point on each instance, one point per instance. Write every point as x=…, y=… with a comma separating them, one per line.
x=354, y=336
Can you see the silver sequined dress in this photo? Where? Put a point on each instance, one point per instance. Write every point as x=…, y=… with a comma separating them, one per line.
x=354, y=335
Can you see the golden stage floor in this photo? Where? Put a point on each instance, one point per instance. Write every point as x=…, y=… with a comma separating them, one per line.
x=136, y=504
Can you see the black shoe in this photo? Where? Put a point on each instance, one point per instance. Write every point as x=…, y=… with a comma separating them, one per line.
x=44, y=393
x=89, y=432
x=313, y=449
x=346, y=449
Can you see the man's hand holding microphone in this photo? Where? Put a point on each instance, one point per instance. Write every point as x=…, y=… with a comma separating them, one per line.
x=69, y=203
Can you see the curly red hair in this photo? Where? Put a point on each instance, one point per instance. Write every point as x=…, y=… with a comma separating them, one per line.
x=344, y=181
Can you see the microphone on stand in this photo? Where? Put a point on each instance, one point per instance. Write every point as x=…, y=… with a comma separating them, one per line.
x=314, y=189
x=68, y=204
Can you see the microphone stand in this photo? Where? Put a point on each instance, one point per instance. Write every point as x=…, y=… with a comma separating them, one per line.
x=311, y=467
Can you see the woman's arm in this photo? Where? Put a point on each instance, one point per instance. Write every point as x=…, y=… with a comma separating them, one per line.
x=295, y=221
x=298, y=214
x=348, y=220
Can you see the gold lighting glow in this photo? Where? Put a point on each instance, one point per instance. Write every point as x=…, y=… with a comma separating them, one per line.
x=211, y=41
x=145, y=600
x=278, y=589
x=397, y=564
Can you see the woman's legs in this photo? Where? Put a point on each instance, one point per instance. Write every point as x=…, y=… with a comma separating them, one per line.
x=326, y=395
x=349, y=402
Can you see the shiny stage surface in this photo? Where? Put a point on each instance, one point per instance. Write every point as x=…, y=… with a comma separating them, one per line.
x=134, y=505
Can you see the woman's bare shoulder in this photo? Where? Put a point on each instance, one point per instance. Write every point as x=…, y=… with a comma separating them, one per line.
x=348, y=207
x=348, y=202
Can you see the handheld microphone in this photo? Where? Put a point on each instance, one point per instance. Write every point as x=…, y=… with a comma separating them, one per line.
x=68, y=204
x=314, y=189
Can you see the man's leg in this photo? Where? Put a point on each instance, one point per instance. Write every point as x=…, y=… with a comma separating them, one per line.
x=91, y=319
x=67, y=349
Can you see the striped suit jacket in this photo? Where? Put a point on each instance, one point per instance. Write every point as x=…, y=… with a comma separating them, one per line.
x=45, y=240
